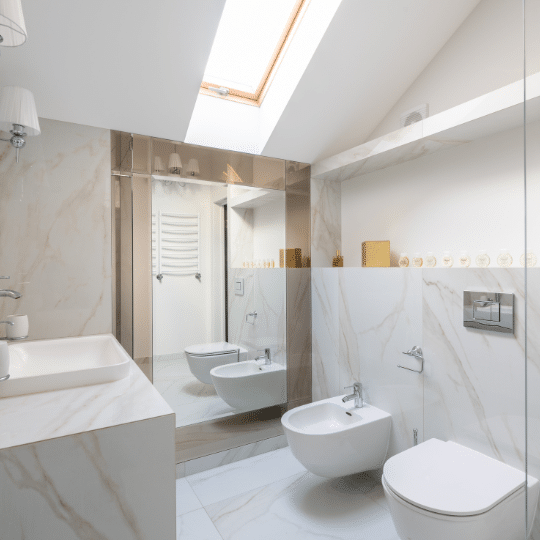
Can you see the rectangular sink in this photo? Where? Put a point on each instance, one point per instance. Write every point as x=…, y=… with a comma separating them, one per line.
x=56, y=364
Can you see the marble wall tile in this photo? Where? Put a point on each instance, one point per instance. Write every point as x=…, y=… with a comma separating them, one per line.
x=325, y=334
x=299, y=363
x=241, y=332
x=99, y=489
x=474, y=381
x=55, y=230
x=380, y=316
x=270, y=305
x=325, y=221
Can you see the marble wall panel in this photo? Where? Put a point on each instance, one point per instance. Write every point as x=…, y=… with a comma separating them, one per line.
x=299, y=363
x=380, y=316
x=270, y=305
x=325, y=334
x=55, y=230
x=325, y=221
x=99, y=489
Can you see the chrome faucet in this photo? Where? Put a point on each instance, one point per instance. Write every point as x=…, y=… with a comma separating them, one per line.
x=266, y=356
x=356, y=395
x=8, y=293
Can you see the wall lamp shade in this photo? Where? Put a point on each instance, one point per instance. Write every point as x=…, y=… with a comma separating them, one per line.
x=18, y=115
x=175, y=164
x=193, y=167
x=12, y=27
x=158, y=165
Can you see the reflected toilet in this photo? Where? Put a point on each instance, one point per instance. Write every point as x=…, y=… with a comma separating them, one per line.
x=203, y=358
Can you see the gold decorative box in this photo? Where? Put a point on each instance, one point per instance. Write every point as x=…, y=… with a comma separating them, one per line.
x=376, y=254
x=291, y=258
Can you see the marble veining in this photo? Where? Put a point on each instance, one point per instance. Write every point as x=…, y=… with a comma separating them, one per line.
x=48, y=415
x=55, y=224
x=325, y=222
x=276, y=498
x=120, y=469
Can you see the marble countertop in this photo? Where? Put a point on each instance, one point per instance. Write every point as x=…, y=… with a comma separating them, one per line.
x=48, y=415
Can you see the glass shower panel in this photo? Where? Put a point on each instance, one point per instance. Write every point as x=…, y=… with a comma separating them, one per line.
x=532, y=249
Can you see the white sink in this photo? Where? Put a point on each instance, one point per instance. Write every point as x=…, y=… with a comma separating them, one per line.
x=250, y=384
x=331, y=438
x=55, y=364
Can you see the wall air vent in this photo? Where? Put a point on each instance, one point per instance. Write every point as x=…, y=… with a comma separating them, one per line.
x=416, y=114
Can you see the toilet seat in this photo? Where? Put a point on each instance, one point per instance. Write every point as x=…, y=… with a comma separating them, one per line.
x=449, y=479
x=212, y=349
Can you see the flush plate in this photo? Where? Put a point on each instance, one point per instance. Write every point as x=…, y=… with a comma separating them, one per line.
x=239, y=286
x=491, y=311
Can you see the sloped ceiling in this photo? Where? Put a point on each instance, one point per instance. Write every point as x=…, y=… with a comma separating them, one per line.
x=370, y=54
x=131, y=65
x=135, y=65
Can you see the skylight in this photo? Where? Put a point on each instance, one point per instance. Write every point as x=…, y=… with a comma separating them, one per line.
x=250, y=41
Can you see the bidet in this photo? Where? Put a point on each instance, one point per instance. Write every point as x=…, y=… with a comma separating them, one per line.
x=332, y=438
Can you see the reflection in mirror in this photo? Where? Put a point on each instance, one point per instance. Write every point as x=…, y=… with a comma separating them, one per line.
x=219, y=317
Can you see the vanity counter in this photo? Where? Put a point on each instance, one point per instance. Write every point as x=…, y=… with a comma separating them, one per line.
x=48, y=415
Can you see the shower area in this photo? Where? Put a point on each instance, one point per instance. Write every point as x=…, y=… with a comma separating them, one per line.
x=211, y=250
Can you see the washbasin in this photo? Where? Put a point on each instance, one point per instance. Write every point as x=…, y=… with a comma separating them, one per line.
x=56, y=364
x=332, y=438
x=250, y=384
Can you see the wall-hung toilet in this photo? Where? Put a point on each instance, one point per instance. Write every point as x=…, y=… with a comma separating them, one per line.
x=446, y=491
x=203, y=358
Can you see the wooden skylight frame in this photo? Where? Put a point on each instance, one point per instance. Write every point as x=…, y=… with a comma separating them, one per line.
x=255, y=99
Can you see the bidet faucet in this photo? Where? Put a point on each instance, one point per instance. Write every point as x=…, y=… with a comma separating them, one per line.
x=266, y=356
x=356, y=395
x=8, y=293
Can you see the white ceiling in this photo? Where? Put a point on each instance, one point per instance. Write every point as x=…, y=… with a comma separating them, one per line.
x=370, y=54
x=131, y=65
x=135, y=65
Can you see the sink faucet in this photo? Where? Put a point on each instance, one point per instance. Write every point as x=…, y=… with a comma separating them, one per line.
x=8, y=293
x=266, y=356
x=356, y=395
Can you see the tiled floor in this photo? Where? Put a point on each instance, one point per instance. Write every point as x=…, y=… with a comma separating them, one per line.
x=191, y=400
x=272, y=496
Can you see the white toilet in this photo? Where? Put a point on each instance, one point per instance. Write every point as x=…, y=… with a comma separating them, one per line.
x=203, y=358
x=447, y=491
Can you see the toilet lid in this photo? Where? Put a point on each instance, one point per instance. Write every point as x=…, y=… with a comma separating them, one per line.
x=209, y=349
x=451, y=479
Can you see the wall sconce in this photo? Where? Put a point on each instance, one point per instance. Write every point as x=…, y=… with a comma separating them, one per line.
x=193, y=167
x=175, y=163
x=159, y=167
x=12, y=27
x=18, y=115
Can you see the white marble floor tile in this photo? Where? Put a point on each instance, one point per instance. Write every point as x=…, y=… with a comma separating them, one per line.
x=186, y=500
x=196, y=525
x=237, y=478
x=305, y=507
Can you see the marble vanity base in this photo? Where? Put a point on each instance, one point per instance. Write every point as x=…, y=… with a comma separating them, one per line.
x=116, y=483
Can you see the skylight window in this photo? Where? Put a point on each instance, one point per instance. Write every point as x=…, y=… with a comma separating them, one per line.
x=251, y=40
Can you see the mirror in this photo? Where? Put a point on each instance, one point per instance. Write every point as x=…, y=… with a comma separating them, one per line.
x=219, y=304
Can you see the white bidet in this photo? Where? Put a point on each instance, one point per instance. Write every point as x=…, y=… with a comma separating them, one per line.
x=331, y=438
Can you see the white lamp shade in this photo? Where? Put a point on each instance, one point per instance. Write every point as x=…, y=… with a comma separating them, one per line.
x=175, y=162
x=158, y=164
x=17, y=106
x=12, y=27
x=193, y=167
